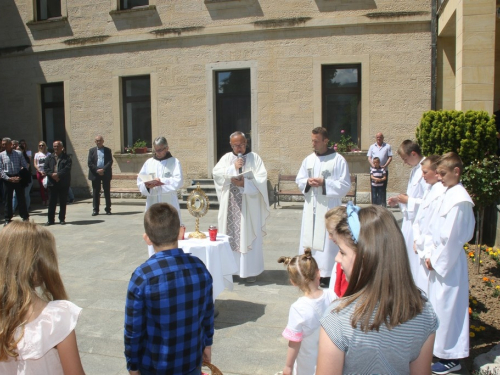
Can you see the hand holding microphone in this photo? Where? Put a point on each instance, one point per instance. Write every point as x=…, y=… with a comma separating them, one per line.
x=238, y=164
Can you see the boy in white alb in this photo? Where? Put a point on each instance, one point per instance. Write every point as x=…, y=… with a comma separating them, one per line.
x=410, y=153
x=426, y=219
x=448, y=278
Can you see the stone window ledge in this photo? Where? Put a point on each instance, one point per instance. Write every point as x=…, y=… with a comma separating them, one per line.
x=137, y=11
x=49, y=23
x=133, y=156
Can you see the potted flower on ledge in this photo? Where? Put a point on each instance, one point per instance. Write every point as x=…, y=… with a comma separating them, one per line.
x=345, y=144
x=139, y=147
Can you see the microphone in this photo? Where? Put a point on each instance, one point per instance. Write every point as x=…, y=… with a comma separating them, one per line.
x=240, y=171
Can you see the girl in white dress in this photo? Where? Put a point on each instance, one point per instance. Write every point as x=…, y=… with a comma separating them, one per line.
x=302, y=330
x=37, y=324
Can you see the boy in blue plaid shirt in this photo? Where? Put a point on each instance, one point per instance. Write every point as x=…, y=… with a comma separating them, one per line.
x=169, y=311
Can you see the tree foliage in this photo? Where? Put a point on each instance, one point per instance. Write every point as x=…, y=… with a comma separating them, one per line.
x=472, y=135
x=482, y=179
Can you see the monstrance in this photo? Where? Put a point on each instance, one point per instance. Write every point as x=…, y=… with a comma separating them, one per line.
x=197, y=204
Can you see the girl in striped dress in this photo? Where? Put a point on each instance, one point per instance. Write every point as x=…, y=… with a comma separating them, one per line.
x=383, y=324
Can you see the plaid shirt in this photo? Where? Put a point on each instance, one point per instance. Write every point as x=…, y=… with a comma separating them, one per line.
x=11, y=163
x=169, y=314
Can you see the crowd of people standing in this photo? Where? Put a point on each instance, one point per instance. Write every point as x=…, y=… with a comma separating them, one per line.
x=370, y=288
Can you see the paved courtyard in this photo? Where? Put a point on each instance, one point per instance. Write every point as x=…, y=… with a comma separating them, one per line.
x=98, y=254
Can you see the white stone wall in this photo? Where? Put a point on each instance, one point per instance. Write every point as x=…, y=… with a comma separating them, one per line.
x=285, y=60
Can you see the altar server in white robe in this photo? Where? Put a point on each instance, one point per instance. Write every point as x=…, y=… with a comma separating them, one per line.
x=324, y=180
x=167, y=178
x=449, y=279
x=243, y=204
x=425, y=220
x=409, y=203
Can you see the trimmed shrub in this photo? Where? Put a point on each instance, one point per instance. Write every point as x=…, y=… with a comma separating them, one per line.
x=472, y=134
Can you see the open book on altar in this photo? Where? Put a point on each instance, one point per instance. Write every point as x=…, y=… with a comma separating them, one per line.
x=246, y=174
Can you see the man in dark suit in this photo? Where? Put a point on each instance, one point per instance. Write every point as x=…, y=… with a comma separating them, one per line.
x=100, y=162
x=58, y=169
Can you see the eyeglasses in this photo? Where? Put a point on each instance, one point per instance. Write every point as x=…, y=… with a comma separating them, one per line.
x=240, y=145
x=41, y=145
x=158, y=150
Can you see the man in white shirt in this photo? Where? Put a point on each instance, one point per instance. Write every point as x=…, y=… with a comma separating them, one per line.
x=383, y=151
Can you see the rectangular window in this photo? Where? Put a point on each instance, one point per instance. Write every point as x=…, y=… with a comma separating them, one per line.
x=341, y=100
x=129, y=4
x=46, y=9
x=233, y=107
x=136, y=94
x=53, y=122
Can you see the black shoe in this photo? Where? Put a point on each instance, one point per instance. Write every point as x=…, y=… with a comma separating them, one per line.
x=324, y=282
x=62, y=222
x=108, y=212
x=48, y=223
x=27, y=219
x=95, y=213
x=71, y=201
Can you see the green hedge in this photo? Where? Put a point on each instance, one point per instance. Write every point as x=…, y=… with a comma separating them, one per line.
x=471, y=134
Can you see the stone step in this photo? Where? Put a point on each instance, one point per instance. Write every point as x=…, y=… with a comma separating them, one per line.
x=206, y=188
x=202, y=181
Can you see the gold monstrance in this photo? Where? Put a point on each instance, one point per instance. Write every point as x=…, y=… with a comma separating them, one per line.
x=197, y=204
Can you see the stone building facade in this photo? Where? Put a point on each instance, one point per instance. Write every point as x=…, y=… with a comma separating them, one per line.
x=93, y=51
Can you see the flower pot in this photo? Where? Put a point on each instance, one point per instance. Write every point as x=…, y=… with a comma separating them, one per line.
x=140, y=150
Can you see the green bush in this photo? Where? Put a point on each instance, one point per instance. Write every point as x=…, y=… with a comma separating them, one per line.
x=472, y=134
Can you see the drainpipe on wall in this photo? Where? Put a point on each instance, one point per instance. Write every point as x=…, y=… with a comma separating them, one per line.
x=434, y=29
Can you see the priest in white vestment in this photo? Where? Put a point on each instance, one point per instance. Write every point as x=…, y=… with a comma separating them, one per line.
x=166, y=174
x=324, y=180
x=243, y=204
x=409, y=203
x=425, y=220
x=449, y=281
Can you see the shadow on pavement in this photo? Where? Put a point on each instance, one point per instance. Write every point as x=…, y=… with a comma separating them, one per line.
x=235, y=312
x=278, y=277
x=85, y=222
x=125, y=213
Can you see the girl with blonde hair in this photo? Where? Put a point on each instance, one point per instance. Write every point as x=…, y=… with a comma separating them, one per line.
x=37, y=323
x=302, y=330
x=383, y=324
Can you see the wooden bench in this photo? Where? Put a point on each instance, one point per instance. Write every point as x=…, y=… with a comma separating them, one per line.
x=124, y=177
x=287, y=178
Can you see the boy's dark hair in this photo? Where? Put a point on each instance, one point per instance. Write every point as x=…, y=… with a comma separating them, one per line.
x=376, y=158
x=322, y=131
x=432, y=160
x=450, y=161
x=408, y=146
x=162, y=224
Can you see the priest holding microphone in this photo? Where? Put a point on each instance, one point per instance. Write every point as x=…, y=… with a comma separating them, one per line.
x=240, y=179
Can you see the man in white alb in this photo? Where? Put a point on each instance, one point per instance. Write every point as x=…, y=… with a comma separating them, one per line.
x=243, y=204
x=324, y=179
x=166, y=173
